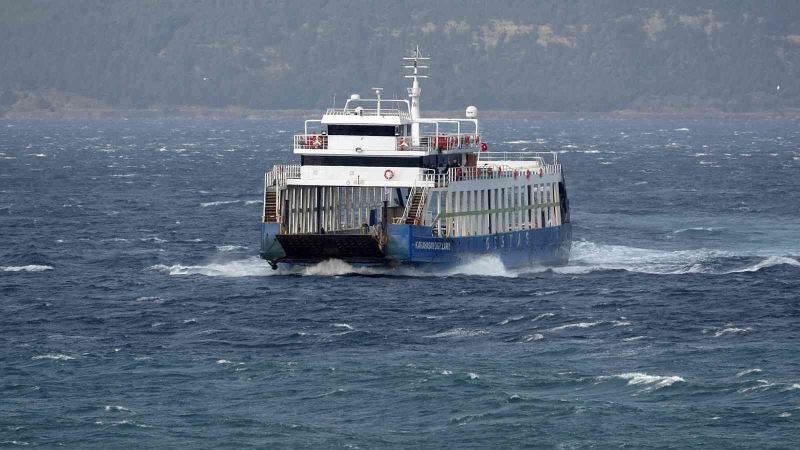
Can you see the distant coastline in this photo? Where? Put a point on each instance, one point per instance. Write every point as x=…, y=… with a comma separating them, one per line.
x=198, y=112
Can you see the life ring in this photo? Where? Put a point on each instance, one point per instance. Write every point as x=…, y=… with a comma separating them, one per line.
x=484, y=147
x=388, y=174
x=541, y=172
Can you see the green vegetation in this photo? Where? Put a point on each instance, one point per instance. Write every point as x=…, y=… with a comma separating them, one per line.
x=518, y=55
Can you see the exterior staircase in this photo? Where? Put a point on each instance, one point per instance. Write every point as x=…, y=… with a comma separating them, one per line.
x=414, y=208
x=270, y=206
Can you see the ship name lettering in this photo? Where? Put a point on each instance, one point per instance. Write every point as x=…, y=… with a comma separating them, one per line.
x=431, y=245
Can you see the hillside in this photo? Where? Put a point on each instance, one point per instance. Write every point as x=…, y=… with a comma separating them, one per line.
x=520, y=55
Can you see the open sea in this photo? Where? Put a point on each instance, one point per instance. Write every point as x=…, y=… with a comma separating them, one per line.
x=135, y=313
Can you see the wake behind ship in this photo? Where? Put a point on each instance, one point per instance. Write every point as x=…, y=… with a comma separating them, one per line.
x=379, y=184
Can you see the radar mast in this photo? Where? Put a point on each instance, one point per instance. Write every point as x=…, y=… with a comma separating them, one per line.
x=417, y=67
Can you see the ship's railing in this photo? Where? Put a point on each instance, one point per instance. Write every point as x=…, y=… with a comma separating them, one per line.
x=543, y=158
x=372, y=112
x=282, y=172
x=441, y=142
x=310, y=141
x=500, y=171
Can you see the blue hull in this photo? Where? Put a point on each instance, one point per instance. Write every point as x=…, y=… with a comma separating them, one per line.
x=416, y=245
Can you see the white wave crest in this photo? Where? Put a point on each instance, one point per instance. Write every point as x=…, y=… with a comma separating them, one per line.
x=511, y=319
x=533, y=337
x=747, y=372
x=489, y=266
x=576, y=325
x=732, y=330
x=486, y=266
x=111, y=408
x=54, y=357
x=651, y=381
x=334, y=267
x=698, y=229
x=458, y=333
x=770, y=261
x=28, y=268
x=251, y=267
x=230, y=248
x=218, y=203
x=343, y=325
x=542, y=316
x=588, y=257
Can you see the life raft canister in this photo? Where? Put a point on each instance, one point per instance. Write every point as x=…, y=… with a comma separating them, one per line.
x=484, y=147
x=388, y=174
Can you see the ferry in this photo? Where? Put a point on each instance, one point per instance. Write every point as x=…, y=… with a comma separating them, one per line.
x=379, y=184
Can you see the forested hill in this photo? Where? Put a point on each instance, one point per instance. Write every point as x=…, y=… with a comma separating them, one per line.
x=501, y=55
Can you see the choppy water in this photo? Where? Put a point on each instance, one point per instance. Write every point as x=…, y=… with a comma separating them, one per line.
x=134, y=310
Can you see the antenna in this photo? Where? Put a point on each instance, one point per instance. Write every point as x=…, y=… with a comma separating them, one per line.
x=378, y=97
x=417, y=67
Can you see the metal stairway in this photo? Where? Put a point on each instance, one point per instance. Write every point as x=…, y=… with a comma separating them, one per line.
x=270, y=206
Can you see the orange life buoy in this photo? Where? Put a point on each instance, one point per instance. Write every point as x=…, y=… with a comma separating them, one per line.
x=388, y=174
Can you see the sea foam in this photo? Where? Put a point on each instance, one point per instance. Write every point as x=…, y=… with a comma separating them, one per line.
x=650, y=381
x=28, y=268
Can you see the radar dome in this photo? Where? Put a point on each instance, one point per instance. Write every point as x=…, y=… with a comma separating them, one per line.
x=472, y=112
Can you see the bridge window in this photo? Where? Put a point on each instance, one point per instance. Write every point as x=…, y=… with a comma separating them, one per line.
x=363, y=130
